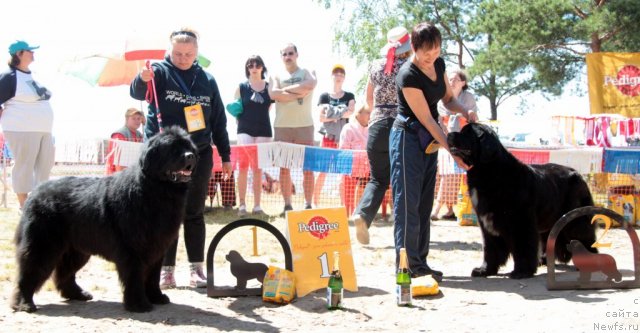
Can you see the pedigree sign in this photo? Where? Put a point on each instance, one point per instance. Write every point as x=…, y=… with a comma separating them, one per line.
x=614, y=83
x=314, y=234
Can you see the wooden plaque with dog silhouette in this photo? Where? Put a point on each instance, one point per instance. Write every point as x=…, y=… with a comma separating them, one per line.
x=242, y=270
x=594, y=270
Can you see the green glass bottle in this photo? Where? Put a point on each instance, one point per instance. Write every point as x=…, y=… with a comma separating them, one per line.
x=334, y=288
x=403, y=281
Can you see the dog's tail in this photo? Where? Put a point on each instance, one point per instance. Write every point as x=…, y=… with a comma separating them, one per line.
x=17, y=238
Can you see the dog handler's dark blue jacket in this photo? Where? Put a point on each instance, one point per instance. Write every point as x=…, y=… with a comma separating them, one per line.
x=172, y=99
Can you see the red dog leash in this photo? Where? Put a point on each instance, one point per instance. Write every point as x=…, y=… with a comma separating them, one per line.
x=151, y=96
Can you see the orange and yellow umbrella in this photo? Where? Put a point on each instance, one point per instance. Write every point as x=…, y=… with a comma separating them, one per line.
x=111, y=70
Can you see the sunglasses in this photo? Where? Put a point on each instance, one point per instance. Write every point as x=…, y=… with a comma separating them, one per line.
x=254, y=66
x=290, y=53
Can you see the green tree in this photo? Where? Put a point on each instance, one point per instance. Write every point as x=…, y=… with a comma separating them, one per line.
x=543, y=43
x=362, y=24
x=509, y=47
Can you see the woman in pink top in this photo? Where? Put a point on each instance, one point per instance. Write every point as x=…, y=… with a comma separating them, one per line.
x=354, y=136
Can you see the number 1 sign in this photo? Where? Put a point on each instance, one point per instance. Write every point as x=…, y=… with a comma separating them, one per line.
x=314, y=234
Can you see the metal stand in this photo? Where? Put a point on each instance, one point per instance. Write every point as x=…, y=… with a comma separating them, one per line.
x=219, y=291
x=587, y=262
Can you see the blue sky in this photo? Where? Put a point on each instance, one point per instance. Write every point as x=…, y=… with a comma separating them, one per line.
x=229, y=34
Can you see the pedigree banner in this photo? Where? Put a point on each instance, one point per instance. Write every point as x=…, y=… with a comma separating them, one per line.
x=314, y=234
x=614, y=83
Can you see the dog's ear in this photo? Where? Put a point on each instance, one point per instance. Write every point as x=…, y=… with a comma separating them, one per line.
x=146, y=159
x=489, y=142
x=478, y=129
x=481, y=130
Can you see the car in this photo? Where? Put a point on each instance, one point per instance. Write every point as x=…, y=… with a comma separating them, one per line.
x=530, y=138
x=520, y=137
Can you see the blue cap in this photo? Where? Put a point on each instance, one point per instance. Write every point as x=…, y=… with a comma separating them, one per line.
x=20, y=45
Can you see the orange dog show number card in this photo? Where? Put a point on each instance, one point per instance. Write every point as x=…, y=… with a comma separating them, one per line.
x=195, y=118
x=314, y=234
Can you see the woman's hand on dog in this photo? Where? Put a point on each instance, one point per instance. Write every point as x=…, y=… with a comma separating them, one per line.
x=472, y=116
x=461, y=163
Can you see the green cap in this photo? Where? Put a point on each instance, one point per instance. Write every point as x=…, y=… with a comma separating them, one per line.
x=235, y=108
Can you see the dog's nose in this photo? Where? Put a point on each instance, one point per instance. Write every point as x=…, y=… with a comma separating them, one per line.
x=190, y=158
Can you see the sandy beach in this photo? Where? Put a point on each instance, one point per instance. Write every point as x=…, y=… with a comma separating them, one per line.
x=464, y=304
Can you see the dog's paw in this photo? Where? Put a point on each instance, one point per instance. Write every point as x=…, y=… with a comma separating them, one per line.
x=138, y=307
x=542, y=261
x=483, y=272
x=24, y=307
x=76, y=295
x=516, y=275
x=479, y=272
x=160, y=298
x=563, y=256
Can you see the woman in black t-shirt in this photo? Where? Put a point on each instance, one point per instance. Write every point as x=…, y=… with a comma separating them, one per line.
x=421, y=83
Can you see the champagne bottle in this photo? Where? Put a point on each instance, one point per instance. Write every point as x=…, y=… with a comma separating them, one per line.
x=403, y=281
x=334, y=288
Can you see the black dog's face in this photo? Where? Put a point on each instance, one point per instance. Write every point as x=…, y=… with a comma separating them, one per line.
x=474, y=144
x=169, y=156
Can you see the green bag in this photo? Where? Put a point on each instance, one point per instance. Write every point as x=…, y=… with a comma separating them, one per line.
x=235, y=107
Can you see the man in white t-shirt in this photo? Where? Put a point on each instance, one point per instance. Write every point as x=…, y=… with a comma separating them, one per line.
x=292, y=91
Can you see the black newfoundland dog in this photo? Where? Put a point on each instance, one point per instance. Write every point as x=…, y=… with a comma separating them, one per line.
x=518, y=204
x=129, y=218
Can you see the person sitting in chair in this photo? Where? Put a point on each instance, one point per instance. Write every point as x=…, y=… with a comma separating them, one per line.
x=133, y=118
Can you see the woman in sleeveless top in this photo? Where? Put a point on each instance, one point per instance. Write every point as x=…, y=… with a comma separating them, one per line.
x=254, y=126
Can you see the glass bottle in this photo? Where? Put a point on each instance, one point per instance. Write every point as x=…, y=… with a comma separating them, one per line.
x=403, y=281
x=334, y=288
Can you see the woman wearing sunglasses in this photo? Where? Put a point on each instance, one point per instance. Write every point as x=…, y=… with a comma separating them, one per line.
x=254, y=126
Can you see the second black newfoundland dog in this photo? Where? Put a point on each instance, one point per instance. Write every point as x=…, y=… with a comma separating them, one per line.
x=518, y=204
x=129, y=218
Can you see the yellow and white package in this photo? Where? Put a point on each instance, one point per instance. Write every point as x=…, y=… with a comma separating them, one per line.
x=278, y=286
x=424, y=286
x=623, y=204
x=464, y=208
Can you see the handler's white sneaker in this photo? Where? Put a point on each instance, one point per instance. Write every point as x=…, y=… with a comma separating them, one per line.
x=198, y=279
x=167, y=279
